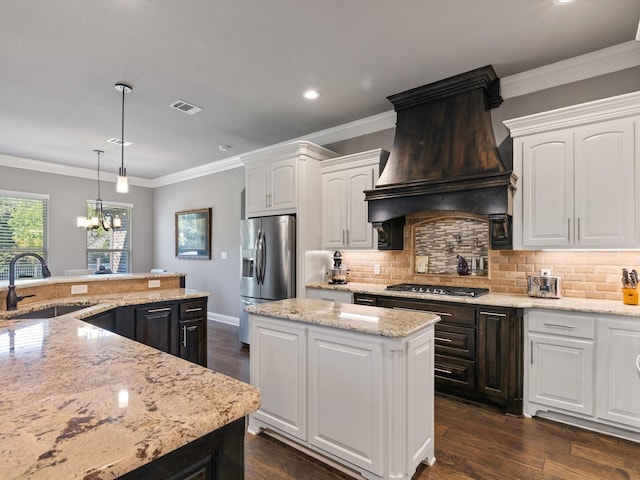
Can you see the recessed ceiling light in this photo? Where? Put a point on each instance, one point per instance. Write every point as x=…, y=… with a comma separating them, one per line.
x=562, y=2
x=311, y=94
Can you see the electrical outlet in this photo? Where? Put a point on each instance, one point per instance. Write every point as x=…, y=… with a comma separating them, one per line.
x=78, y=289
x=154, y=283
x=545, y=272
x=376, y=269
x=223, y=255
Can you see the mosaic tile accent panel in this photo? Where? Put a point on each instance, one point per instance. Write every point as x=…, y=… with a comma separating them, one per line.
x=438, y=242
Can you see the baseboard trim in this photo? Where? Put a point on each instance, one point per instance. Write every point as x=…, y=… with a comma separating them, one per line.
x=218, y=317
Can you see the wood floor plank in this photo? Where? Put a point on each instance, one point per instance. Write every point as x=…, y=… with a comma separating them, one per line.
x=472, y=442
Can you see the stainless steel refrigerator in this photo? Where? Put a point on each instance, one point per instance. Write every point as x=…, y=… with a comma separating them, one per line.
x=268, y=263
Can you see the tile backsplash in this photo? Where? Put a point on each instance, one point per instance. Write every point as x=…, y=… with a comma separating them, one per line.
x=584, y=274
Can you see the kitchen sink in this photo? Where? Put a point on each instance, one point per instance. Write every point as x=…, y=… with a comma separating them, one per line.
x=51, y=312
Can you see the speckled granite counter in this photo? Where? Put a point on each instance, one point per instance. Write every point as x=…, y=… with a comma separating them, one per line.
x=80, y=402
x=498, y=299
x=103, y=302
x=358, y=318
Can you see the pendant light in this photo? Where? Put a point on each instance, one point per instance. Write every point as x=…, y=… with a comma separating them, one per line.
x=98, y=217
x=122, y=184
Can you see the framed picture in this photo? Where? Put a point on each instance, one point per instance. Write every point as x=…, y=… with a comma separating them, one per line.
x=193, y=234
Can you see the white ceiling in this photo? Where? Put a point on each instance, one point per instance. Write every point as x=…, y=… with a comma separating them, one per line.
x=247, y=62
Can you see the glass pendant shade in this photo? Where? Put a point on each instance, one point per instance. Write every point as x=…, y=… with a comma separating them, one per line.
x=122, y=184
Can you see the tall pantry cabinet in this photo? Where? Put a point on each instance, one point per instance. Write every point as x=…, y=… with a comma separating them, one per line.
x=578, y=169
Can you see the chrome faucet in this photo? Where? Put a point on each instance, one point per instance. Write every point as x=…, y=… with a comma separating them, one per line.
x=12, y=297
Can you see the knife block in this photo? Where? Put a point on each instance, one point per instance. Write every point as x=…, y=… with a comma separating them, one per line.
x=629, y=296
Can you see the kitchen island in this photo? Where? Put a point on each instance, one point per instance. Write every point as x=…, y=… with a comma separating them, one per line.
x=349, y=384
x=79, y=401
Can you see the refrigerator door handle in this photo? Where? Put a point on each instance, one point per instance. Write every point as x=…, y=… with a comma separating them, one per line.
x=258, y=257
x=263, y=259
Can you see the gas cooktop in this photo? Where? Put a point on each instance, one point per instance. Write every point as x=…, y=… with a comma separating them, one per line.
x=438, y=289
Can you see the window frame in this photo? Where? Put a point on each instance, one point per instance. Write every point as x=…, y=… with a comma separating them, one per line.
x=107, y=206
x=44, y=252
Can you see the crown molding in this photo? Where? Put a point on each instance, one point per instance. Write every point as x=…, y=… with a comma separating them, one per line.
x=68, y=170
x=620, y=106
x=195, y=172
x=357, y=128
x=600, y=62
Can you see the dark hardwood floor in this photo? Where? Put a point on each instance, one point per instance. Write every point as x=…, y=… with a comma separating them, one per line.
x=471, y=442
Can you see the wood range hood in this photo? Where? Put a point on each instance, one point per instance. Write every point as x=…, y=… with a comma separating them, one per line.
x=444, y=154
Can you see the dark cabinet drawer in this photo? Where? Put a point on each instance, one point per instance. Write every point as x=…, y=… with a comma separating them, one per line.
x=450, y=313
x=193, y=309
x=452, y=372
x=455, y=340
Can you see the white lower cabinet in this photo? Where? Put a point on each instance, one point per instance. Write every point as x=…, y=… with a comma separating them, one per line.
x=345, y=398
x=618, y=394
x=283, y=395
x=337, y=296
x=363, y=401
x=561, y=373
x=582, y=368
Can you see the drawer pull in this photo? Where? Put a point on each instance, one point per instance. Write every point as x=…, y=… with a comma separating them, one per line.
x=158, y=310
x=494, y=314
x=556, y=325
x=442, y=370
x=442, y=314
x=440, y=339
x=366, y=301
x=189, y=310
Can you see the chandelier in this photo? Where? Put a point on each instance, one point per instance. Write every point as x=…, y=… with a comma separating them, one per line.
x=98, y=218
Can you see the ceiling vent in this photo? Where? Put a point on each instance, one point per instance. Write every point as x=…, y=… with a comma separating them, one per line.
x=185, y=107
x=118, y=141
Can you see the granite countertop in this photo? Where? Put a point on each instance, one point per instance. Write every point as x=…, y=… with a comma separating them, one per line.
x=80, y=402
x=345, y=316
x=498, y=299
x=101, y=303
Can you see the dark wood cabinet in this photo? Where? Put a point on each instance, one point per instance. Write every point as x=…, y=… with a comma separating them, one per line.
x=178, y=328
x=478, y=349
x=192, y=332
x=156, y=326
x=216, y=456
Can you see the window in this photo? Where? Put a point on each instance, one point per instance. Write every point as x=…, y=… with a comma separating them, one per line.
x=110, y=250
x=23, y=228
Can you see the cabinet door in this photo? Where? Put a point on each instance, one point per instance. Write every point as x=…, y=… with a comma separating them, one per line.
x=106, y=320
x=334, y=222
x=605, y=209
x=345, y=398
x=283, y=194
x=257, y=188
x=154, y=326
x=359, y=230
x=493, y=352
x=279, y=371
x=618, y=376
x=193, y=339
x=561, y=373
x=547, y=190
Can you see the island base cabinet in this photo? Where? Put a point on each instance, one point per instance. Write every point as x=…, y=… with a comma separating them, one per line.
x=362, y=401
x=216, y=456
x=345, y=398
x=278, y=366
x=618, y=393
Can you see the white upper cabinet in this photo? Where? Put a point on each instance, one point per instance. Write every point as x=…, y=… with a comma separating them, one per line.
x=578, y=175
x=271, y=189
x=344, y=210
